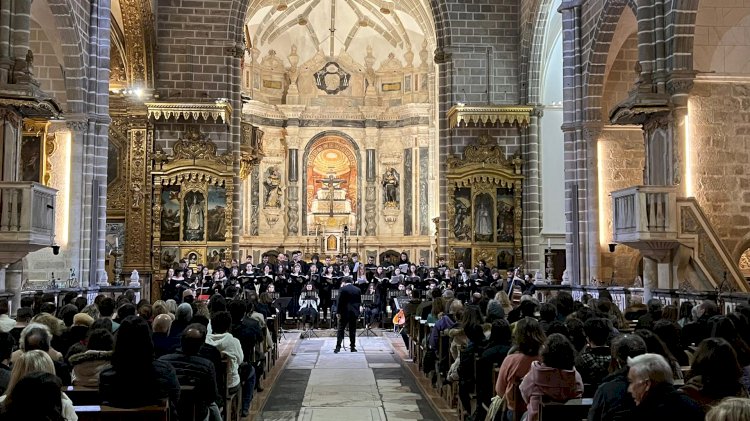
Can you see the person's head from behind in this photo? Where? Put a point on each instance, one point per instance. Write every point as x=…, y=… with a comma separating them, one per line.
x=106, y=307
x=558, y=352
x=647, y=372
x=24, y=315
x=35, y=336
x=221, y=322
x=730, y=409
x=686, y=310
x=528, y=307
x=36, y=396
x=597, y=331
x=100, y=340
x=716, y=362
x=626, y=346
x=500, y=332
x=133, y=347
x=29, y=362
x=184, y=313
x=126, y=310
x=707, y=309
x=654, y=306
x=237, y=309
x=547, y=312
x=217, y=303
x=192, y=338
x=722, y=327
x=669, y=332
x=67, y=312
x=6, y=346
x=162, y=323
x=528, y=336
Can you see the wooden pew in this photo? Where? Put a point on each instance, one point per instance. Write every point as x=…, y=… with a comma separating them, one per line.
x=110, y=413
x=572, y=410
x=88, y=396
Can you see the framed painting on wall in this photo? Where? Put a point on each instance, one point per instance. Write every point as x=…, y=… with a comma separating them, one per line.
x=170, y=213
x=30, y=162
x=194, y=210
x=217, y=202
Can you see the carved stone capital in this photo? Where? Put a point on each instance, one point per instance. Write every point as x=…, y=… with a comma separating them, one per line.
x=591, y=131
x=442, y=56
x=79, y=126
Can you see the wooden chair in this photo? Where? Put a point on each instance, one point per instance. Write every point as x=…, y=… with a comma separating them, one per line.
x=109, y=413
x=83, y=395
x=572, y=410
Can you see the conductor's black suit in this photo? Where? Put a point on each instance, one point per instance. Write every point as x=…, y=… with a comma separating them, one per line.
x=347, y=309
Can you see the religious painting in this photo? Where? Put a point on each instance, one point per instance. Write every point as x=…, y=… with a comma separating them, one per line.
x=272, y=185
x=331, y=192
x=214, y=256
x=332, y=243
x=483, y=217
x=194, y=209
x=113, y=162
x=505, y=216
x=505, y=258
x=169, y=257
x=170, y=213
x=193, y=257
x=30, y=163
x=462, y=217
x=462, y=255
x=217, y=204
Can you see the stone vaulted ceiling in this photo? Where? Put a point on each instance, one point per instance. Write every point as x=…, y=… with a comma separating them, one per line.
x=349, y=26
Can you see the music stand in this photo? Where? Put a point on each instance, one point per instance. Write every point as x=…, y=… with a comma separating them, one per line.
x=281, y=304
x=366, y=299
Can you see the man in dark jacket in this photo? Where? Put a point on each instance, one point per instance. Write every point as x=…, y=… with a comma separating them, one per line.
x=612, y=401
x=654, y=314
x=195, y=371
x=694, y=333
x=347, y=312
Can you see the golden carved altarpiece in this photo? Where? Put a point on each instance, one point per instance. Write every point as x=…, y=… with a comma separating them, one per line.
x=484, y=169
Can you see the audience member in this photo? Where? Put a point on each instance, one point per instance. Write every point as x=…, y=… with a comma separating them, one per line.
x=23, y=318
x=693, y=333
x=652, y=388
x=135, y=378
x=669, y=332
x=654, y=314
x=611, y=401
x=6, y=323
x=222, y=339
x=594, y=361
x=654, y=345
x=32, y=362
x=164, y=343
x=686, y=313
x=528, y=338
x=731, y=409
x=554, y=377
x=6, y=349
x=88, y=365
x=37, y=396
x=715, y=374
x=183, y=317
x=107, y=310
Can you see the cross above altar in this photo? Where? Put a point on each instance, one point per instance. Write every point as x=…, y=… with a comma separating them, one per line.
x=330, y=183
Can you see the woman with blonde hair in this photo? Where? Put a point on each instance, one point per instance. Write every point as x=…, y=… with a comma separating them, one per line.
x=37, y=361
x=730, y=409
x=504, y=300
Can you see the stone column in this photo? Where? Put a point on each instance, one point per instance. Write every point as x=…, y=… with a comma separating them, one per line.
x=20, y=23
x=293, y=192
x=371, y=220
x=13, y=282
x=5, y=31
x=235, y=131
x=444, y=72
x=679, y=87
x=650, y=278
x=591, y=133
x=532, y=194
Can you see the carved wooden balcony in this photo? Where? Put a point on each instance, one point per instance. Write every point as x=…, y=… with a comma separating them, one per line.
x=27, y=219
x=645, y=217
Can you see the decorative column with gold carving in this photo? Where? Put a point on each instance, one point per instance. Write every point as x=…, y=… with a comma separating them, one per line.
x=137, y=231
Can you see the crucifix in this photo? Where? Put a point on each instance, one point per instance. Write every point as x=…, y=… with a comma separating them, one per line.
x=330, y=182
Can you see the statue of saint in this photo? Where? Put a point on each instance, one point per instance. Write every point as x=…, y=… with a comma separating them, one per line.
x=272, y=184
x=483, y=222
x=390, y=186
x=195, y=215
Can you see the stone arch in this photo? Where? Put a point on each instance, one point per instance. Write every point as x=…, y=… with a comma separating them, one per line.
x=356, y=155
x=679, y=34
x=74, y=53
x=531, y=47
x=594, y=70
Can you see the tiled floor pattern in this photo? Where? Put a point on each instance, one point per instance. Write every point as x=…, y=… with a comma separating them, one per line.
x=371, y=384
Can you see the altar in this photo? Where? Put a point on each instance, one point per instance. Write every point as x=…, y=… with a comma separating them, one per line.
x=331, y=206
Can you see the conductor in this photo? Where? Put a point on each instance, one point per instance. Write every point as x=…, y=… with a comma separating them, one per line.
x=347, y=312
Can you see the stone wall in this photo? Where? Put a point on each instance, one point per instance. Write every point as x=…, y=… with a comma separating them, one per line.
x=720, y=140
x=47, y=67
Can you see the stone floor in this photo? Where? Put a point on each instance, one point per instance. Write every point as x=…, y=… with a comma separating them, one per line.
x=371, y=384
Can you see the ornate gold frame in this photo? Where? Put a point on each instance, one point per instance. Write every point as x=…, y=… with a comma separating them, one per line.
x=484, y=168
x=194, y=165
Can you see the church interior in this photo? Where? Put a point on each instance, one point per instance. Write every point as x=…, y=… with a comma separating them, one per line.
x=174, y=148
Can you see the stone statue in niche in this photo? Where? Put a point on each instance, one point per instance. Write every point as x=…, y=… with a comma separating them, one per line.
x=195, y=216
x=272, y=184
x=390, y=188
x=483, y=218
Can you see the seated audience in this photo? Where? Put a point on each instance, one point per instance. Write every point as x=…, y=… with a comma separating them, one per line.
x=553, y=378
x=611, y=401
x=183, y=317
x=693, y=333
x=87, y=366
x=652, y=388
x=37, y=336
x=669, y=333
x=23, y=318
x=654, y=345
x=715, y=374
x=107, y=310
x=135, y=378
x=493, y=355
x=37, y=396
x=686, y=313
x=222, y=339
x=196, y=371
x=654, y=314
x=6, y=323
x=32, y=362
x=547, y=315
x=528, y=338
x=164, y=343
x=593, y=363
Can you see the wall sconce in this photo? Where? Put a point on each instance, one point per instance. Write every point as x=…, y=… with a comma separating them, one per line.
x=612, y=247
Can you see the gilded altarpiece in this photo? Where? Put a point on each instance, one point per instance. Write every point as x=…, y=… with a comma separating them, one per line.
x=192, y=207
x=484, y=206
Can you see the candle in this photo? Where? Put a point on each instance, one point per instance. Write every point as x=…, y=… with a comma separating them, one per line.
x=549, y=243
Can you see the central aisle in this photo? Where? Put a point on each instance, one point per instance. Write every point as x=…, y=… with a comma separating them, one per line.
x=371, y=384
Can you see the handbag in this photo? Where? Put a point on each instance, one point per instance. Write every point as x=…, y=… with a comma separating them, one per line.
x=497, y=407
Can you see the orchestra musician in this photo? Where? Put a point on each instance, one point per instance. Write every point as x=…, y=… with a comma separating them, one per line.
x=372, y=308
